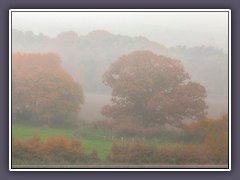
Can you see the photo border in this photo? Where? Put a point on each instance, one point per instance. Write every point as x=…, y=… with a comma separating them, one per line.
x=121, y=169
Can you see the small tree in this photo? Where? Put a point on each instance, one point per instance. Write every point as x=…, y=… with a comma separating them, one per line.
x=152, y=90
x=43, y=92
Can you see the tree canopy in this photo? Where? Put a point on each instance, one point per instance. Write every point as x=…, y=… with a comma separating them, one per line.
x=43, y=92
x=151, y=90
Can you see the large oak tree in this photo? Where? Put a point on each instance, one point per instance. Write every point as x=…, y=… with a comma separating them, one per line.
x=152, y=90
x=43, y=92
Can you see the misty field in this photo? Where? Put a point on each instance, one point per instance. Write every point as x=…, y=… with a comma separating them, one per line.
x=25, y=132
x=142, y=122
x=217, y=106
x=94, y=103
x=96, y=148
x=138, y=95
x=92, y=140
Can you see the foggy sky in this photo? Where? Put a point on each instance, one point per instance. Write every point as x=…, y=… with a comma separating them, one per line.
x=168, y=28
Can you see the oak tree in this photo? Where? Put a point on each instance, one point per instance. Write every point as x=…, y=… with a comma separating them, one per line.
x=152, y=90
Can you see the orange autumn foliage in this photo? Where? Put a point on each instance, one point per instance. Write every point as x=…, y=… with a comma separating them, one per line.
x=42, y=91
x=54, y=150
x=213, y=135
x=207, y=127
x=153, y=89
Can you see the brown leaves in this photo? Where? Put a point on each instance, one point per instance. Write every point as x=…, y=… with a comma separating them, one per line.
x=213, y=136
x=54, y=150
x=42, y=86
x=155, y=87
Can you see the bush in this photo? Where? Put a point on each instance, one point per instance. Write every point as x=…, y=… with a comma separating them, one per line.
x=54, y=150
x=212, y=151
x=216, y=148
x=181, y=154
x=136, y=153
x=198, y=131
x=60, y=149
x=213, y=136
x=30, y=150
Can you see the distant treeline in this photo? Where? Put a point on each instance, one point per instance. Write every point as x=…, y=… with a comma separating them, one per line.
x=87, y=57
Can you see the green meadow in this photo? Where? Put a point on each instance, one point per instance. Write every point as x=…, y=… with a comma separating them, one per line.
x=25, y=132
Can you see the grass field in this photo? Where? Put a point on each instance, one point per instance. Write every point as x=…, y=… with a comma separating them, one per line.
x=89, y=136
x=25, y=132
x=165, y=149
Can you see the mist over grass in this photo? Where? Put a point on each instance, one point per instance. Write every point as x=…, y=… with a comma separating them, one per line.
x=98, y=95
x=202, y=143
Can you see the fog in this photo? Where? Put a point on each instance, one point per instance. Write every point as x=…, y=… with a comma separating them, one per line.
x=120, y=89
x=168, y=28
x=196, y=38
x=166, y=33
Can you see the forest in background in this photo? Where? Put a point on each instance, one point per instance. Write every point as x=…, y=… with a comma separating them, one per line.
x=87, y=57
x=83, y=54
x=62, y=82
